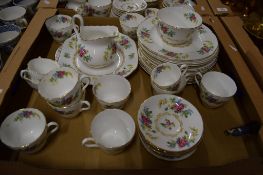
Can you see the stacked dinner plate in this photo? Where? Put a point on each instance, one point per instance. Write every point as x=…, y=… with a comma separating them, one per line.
x=200, y=55
x=173, y=3
x=132, y=6
x=170, y=127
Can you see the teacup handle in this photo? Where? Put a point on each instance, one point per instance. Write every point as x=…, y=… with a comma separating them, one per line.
x=77, y=16
x=198, y=77
x=85, y=103
x=183, y=69
x=86, y=82
x=23, y=22
x=23, y=74
x=89, y=142
x=53, y=125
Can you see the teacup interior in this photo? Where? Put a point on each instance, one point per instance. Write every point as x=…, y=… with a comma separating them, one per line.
x=18, y=131
x=166, y=75
x=219, y=84
x=111, y=131
x=42, y=65
x=113, y=89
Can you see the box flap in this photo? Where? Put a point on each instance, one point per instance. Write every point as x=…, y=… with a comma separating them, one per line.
x=250, y=51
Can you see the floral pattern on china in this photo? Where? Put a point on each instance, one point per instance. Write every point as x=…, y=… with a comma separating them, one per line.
x=125, y=62
x=129, y=5
x=95, y=44
x=170, y=122
x=204, y=43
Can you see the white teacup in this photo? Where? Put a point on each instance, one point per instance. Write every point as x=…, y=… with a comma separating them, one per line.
x=60, y=27
x=178, y=89
x=177, y=24
x=215, y=88
x=73, y=109
x=112, y=130
x=62, y=86
x=112, y=91
x=14, y=15
x=36, y=69
x=167, y=76
x=100, y=8
x=26, y=130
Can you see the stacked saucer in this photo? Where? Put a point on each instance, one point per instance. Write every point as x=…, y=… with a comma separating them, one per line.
x=173, y=3
x=170, y=127
x=200, y=53
x=132, y=6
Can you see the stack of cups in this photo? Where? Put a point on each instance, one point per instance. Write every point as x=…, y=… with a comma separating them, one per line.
x=168, y=78
x=64, y=90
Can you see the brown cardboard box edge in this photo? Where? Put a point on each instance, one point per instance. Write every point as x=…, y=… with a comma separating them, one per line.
x=48, y=4
x=252, y=54
x=245, y=75
x=202, y=7
x=219, y=9
x=16, y=58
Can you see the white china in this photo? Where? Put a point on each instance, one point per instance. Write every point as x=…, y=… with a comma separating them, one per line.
x=100, y=8
x=14, y=15
x=62, y=85
x=151, y=12
x=170, y=123
x=130, y=22
x=173, y=3
x=60, y=27
x=26, y=129
x=125, y=61
x=168, y=75
x=204, y=43
x=178, y=89
x=165, y=157
x=112, y=91
x=80, y=8
x=111, y=130
x=95, y=44
x=74, y=109
x=129, y=5
x=177, y=24
x=216, y=88
x=36, y=69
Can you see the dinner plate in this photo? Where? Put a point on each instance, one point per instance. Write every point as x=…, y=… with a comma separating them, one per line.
x=204, y=42
x=125, y=60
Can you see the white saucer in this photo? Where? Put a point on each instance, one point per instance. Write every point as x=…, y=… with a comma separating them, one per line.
x=204, y=43
x=167, y=158
x=126, y=59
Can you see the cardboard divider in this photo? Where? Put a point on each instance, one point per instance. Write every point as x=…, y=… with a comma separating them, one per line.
x=220, y=9
x=64, y=149
x=246, y=46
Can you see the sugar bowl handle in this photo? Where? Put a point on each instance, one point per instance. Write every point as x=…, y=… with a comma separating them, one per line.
x=77, y=16
x=198, y=77
x=89, y=142
x=83, y=104
x=54, y=127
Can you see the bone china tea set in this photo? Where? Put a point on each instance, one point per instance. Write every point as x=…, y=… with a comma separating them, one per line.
x=174, y=48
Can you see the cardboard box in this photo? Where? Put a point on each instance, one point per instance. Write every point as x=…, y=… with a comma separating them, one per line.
x=64, y=151
x=220, y=9
x=246, y=46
